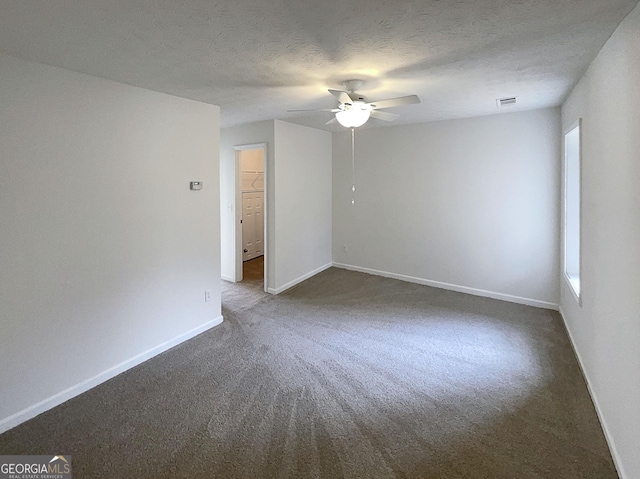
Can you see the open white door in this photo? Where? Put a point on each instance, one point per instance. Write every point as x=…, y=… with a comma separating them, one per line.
x=251, y=206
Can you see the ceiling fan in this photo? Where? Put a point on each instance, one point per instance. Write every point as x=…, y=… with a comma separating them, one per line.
x=354, y=111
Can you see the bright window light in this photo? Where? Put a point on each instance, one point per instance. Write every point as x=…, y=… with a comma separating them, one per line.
x=572, y=149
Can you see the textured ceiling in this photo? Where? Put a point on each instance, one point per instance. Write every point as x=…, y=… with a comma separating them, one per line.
x=258, y=58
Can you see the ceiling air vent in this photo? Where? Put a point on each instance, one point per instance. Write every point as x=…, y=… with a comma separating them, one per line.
x=506, y=101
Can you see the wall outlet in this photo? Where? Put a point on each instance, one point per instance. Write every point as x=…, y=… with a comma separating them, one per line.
x=207, y=295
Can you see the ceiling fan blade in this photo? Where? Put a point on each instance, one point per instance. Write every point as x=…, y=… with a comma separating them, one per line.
x=332, y=121
x=383, y=115
x=320, y=109
x=342, y=96
x=391, y=102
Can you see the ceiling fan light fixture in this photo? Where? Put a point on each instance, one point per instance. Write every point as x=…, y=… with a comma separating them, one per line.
x=354, y=110
x=352, y=118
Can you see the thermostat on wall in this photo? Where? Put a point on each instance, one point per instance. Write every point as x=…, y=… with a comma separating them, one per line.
x=196, y=185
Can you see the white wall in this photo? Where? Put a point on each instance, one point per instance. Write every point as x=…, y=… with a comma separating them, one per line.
x=470, y=205
x=302, y=203
x=252, y=160
x=252, y=133
x=606, y=328
x=105, y=253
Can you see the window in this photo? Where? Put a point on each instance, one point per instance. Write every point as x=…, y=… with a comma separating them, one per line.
x=572, y=208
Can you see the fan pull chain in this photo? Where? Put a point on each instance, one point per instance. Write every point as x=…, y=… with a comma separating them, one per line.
x=353, y=166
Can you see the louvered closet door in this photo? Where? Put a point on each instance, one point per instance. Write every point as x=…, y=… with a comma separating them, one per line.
x=252, y=225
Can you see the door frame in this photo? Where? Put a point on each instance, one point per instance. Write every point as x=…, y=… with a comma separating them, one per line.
x=238, y=209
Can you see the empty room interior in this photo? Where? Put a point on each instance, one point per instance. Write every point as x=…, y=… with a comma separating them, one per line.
x=321, y=239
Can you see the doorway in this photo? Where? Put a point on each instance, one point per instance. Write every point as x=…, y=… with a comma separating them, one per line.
x=251, y=213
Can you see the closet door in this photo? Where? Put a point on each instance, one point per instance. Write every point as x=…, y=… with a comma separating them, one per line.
x=252, y=225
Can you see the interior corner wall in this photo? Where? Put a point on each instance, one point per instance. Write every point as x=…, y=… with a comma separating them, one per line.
x=470, y=205
x=105, y=252
x=302, y=203
x=248, y=134
x=605, y=329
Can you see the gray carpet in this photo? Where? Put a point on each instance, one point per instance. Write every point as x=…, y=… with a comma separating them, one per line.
x=345, y=375
x=253, y=270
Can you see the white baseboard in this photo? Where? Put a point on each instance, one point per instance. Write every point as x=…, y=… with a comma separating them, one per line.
x=57, y=399
x=452, y=287
x=228, y=278
x=300, y=279
x=607, y=434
